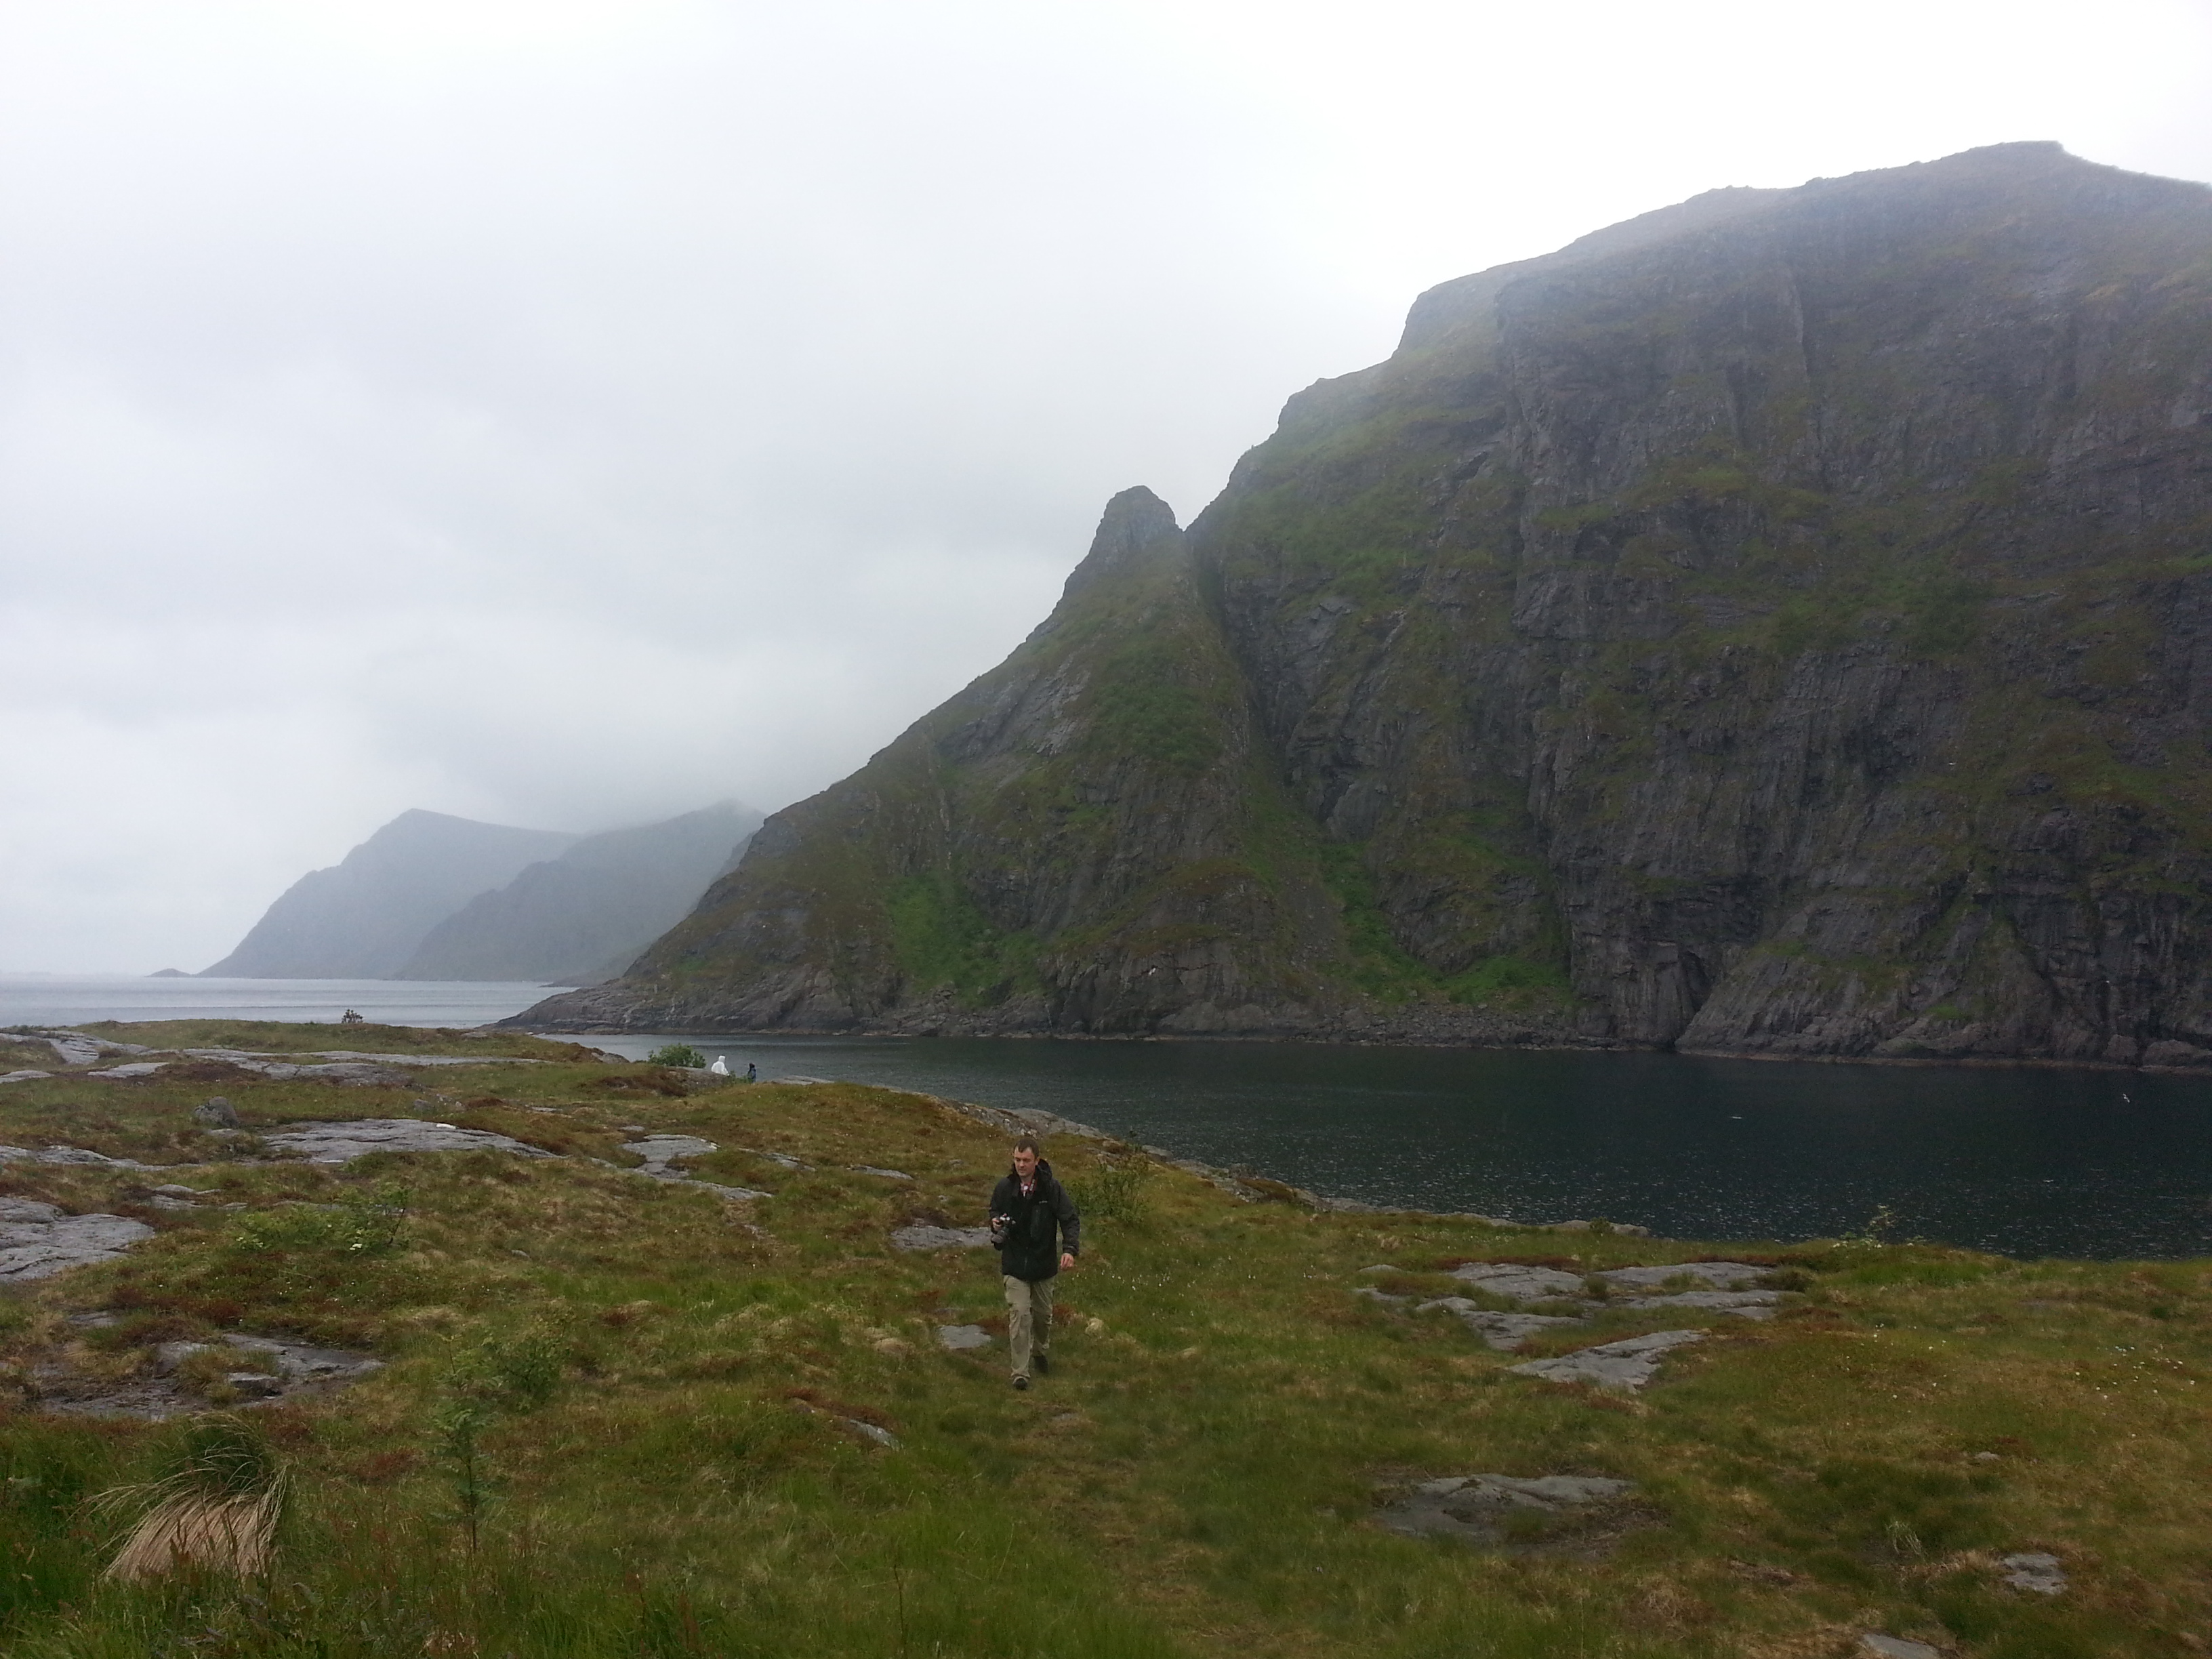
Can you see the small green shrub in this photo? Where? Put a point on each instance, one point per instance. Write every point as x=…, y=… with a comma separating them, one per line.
x=1114, y=1193
x=677, y=1054
x=359, y=1224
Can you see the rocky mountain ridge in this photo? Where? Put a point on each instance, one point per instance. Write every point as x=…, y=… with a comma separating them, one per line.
x=1782, y=624
x=430, y=896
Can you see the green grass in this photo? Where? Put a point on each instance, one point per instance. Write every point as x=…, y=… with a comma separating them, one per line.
x=615, y=1415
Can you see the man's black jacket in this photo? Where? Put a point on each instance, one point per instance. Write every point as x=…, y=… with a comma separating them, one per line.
x=1026, y=1247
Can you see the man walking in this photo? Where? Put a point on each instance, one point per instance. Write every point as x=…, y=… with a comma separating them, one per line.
x=1029, y=1207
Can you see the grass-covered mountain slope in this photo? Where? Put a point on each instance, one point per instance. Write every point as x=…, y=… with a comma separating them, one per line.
x=1781, y=623
x=618, y=1416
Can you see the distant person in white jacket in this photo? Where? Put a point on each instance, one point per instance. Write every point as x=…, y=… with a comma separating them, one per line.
x=721, y=1065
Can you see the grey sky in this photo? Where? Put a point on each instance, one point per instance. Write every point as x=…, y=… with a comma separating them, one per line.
x=571, y=414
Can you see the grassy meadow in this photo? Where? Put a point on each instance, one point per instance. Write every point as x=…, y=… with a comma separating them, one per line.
x=620, y=1418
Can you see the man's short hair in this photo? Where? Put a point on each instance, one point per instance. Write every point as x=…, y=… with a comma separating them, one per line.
x=1028, y=1143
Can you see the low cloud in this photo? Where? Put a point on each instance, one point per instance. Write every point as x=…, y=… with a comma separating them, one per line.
x=568, y=414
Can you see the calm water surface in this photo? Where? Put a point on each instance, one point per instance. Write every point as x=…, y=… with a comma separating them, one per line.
x=80, y=999
x=2030, y=1162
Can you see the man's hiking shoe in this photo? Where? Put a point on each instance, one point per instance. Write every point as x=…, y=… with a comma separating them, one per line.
x=1021, y=1384
x=1043, y=1363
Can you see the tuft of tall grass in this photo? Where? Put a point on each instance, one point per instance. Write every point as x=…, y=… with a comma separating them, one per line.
x=215, y=1511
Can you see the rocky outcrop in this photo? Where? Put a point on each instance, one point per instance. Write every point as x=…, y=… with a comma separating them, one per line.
x=1782, y=624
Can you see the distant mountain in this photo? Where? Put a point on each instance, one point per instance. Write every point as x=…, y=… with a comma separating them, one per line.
x=584, y=916
x=365, y=916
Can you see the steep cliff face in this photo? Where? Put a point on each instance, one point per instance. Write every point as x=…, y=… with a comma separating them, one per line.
x=1781, y=623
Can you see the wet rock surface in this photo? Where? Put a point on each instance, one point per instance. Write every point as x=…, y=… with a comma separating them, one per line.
x=961, y=1339
x=1552, y=1514
x=37, y=1241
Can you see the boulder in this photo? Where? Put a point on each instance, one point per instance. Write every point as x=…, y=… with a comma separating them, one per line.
x=215, y=1113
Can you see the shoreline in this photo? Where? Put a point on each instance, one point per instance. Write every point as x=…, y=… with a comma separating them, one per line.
x=1980, y=1062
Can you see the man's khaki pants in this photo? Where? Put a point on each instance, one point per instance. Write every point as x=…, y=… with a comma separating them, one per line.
x=1029, y=1319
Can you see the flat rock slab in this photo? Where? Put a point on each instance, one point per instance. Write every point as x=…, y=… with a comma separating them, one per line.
x=429, y=1059
x=1504, y=1332
x=888, y=1174
x=1628, y=1364
x=135, y=1068
x=1896, y=1647
x=352, y=1073
x=922, y=1236
x=341, y=1143
x=298, y=1369
x=2034, y=1571
x=1715, y=1275
x=24, y=1077
x=1748, y=1304
x=961, y=1338
x=659, y=1153
x=37, y=1240
x=68, y=1155
x=1555, y=1514
x=250, y=1058
x=1520, y=1283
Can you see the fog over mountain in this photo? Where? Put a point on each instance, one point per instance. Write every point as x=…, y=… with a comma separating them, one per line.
x=567, y=414
x=584, y=916
x=365, y=916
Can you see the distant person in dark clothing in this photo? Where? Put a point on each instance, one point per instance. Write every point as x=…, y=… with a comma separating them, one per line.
x=752, y=1072
x=1037, y=1233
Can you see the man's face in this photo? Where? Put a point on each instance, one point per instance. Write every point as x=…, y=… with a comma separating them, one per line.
x=1025, y=1163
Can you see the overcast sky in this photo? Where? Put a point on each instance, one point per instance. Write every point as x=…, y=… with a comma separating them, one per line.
x=570, y=414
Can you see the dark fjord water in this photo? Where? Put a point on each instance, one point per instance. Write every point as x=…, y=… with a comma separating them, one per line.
x=2031, y=1162
x=2027, y=1161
